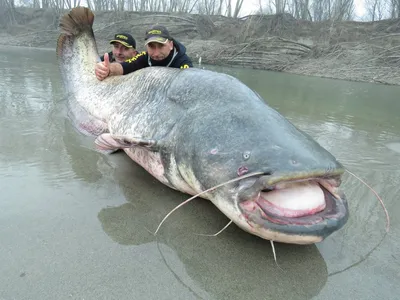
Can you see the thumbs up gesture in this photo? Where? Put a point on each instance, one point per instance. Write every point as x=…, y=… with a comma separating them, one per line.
x=102, y=69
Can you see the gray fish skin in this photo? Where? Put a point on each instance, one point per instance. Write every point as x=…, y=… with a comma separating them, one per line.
x=194, y=129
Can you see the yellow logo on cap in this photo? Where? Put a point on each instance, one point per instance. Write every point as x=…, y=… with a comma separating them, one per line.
x=122, y=37
x=154, y=31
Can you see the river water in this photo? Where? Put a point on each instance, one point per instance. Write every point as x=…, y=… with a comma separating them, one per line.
x=75, y=224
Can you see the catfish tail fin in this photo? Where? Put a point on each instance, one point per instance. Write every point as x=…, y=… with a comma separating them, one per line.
x=79, y=19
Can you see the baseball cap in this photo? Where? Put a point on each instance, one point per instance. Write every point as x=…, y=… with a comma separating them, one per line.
x=125, y=39
x=157, y=34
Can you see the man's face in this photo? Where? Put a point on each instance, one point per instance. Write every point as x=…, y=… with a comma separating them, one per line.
x=158, y=51
x=122, y=53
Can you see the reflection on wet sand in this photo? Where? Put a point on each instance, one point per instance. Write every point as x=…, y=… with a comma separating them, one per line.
x=231, y=264
x=395, y=146
x=223, y=266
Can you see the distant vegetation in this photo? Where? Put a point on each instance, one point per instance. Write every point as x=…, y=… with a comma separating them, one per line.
x=313, y=37
x=310, y=10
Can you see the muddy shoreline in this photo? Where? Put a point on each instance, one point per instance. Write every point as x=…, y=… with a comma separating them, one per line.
x=354, y=51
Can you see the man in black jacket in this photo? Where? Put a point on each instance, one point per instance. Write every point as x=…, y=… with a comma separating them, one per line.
x=124, y=47
x=162, y=50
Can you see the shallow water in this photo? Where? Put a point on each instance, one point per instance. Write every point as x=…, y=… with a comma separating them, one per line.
x=74, y=224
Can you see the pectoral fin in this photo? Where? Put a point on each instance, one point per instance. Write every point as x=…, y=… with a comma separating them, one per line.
x=109, y=142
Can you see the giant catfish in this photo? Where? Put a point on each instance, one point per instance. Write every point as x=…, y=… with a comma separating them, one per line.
x=194, y=129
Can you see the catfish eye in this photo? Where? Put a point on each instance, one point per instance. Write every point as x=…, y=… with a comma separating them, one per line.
x=246, y=155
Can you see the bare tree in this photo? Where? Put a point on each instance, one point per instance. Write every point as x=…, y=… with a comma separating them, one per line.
x=7, y=12
x=320, y=10
x=266, y=7
x=395, y=8
x=299, y=9
x=376, y=9
x=334, y=10
x=238, y=7
x=233, y=9
x=343, y=10
x=280, y=6
x=207, y=7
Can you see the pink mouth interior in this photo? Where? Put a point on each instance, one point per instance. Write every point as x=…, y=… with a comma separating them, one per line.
x=290, y=200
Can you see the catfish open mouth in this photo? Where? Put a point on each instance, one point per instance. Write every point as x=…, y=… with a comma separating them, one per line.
x=305, y=206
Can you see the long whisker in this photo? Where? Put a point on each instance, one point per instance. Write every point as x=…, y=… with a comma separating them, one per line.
x=379, y=198
x=226, y=226
x=273, y=251
x=215, y=234
x=208, y=190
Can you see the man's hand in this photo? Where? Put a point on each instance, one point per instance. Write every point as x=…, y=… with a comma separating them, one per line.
x=102, y=69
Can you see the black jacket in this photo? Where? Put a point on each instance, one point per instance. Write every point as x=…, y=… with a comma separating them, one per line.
x=176, y=59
